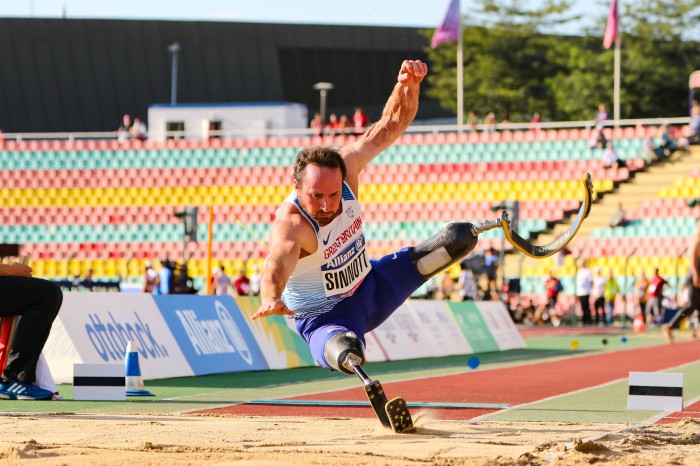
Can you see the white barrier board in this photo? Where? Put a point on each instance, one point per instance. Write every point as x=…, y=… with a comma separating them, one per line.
x=656, y=391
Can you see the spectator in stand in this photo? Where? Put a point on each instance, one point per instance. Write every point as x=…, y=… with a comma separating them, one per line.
x=693, y=304
x=666, y=143
x=182, y=282
x=552, y=289
x=654, y=309
x=467, y=284
x=151, y=279
x=124, y=130
x=332, y=125
x=598, y=139
x=255, y=281
x=472, y=120
x=611, y=292
x=559, y=258
x=535, y=123
x=611, y=159
x=138, y=130
x=491, y=261
x=221, y=285
x=344, y=124
x=650, y=154
x=165, y=276
x=601, y=116
x=317, y=124
x=431, y=287
x=490, y=122
x=618, y=218
x=598, y=293
x=241, y=284
x=87, y=277
x=528, y=313
x=511, y=292
x=695, y=123
x=447, y=284
x=360, y=121
x=584, y=285
x=642, y=285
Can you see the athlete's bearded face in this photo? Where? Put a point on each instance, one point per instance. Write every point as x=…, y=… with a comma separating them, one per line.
x=320, y=193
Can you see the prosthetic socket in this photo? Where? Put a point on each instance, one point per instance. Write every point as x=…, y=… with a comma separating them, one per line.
x=449, y=245
x=343, y=351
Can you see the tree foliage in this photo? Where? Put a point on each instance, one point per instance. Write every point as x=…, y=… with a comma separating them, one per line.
x=514, y=68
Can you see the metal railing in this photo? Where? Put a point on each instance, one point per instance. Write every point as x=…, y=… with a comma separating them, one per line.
x=419, y=127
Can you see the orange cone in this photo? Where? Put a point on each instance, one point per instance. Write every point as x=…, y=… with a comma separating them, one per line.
x=638, y=325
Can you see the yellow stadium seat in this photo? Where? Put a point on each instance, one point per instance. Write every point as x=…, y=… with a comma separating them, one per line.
x=558, y=194
x=38, y=268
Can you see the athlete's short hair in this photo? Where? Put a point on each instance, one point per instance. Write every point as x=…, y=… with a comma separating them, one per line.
x=320, y=155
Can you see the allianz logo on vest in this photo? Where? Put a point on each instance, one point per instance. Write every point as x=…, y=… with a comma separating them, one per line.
x=111, y=337
x=214, y=336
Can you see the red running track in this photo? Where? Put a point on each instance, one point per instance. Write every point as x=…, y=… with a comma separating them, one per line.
x=518, y=385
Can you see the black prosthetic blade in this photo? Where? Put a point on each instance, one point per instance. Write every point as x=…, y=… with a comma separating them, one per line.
x=399, y=416
x=378, y=400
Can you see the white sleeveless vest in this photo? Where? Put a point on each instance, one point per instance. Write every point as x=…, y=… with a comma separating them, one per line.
x=340, y=263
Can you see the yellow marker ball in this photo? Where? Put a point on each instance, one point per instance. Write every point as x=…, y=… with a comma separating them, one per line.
x=574, y=344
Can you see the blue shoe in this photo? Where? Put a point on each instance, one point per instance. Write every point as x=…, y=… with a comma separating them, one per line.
x=16, y=390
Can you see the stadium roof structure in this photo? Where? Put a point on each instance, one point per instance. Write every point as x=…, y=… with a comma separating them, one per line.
x=71, y=75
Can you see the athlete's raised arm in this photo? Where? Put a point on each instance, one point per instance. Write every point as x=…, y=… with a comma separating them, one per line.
x=399, y=112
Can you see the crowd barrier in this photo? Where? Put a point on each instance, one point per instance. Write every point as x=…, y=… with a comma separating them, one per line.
x=189, y=335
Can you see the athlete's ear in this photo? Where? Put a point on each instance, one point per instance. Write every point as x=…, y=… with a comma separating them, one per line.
x=297, y=186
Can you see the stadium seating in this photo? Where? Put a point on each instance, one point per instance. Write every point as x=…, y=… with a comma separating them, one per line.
x=656, y=237
x=109, y=205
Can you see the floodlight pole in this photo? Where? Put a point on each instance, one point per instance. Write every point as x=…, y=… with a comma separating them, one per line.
x=323, y=89
x=174, y=48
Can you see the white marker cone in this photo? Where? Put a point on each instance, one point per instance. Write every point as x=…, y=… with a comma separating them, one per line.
x=134, y=382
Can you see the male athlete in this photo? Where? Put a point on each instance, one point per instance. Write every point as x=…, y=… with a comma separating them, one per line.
x=317, y=269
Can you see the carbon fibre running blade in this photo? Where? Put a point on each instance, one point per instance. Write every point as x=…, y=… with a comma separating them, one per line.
x=399, y=416
x=378, y=400
x=539, y=252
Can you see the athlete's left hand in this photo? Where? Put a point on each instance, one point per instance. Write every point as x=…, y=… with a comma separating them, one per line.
x=273, y=306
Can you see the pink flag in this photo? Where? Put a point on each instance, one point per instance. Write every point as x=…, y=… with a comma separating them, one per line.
x=449, y=28
x=611, y=28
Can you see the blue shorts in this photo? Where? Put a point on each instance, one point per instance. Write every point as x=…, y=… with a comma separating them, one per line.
x=391, y=281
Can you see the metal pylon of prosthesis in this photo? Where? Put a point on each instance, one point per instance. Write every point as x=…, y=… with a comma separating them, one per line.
x=352, y=363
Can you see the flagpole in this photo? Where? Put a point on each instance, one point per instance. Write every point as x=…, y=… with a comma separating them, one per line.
x=616, y=91
x=460, y=73
x=616, y=79
x=451, y=29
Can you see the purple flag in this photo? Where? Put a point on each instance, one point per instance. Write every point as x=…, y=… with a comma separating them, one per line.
x=449, y=28
x=611, y=28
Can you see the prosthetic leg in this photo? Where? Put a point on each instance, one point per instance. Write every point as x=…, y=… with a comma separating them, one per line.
x=344, y=352
x=458, y=239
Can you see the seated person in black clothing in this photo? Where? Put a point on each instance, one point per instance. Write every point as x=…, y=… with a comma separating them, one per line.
x=37, y=302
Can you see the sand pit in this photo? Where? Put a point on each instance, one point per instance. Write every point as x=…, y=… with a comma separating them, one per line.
x=207, y=440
